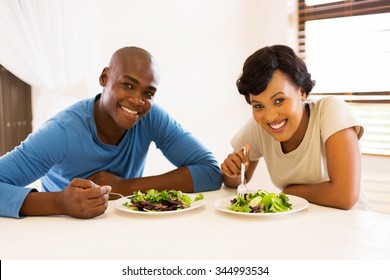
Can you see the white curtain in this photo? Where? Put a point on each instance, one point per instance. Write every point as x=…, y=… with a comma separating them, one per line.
x=53, y=45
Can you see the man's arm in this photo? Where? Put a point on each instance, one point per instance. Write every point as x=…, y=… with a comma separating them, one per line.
x=178, y=179
x=197, y=169
x=81, y=199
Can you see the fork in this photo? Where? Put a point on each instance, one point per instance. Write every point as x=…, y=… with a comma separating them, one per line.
x=241, y=189
x=121, y=195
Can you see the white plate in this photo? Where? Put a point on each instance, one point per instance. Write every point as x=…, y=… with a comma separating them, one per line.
x=119, y=205
x=298, y=204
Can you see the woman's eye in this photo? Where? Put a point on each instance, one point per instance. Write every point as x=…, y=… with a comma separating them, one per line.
x=257, y=107
x=279, y=100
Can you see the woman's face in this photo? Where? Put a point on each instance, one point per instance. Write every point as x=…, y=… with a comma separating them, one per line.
x=279, y=109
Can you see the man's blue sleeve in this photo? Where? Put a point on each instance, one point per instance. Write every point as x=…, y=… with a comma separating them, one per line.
x=181, y=148
x=27, y=163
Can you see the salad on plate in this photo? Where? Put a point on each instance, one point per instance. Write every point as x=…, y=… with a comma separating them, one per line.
x=160, y=201
x=260, y=202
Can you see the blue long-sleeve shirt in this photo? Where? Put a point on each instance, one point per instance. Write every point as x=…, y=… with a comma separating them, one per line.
x=67, y=147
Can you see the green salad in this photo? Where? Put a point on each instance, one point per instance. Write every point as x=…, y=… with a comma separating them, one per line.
x=155, y=201
x=260, y=202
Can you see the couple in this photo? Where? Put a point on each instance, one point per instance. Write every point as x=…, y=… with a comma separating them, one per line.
x=99, y=145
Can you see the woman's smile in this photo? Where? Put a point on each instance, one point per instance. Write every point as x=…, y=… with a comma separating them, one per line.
x=278, y=125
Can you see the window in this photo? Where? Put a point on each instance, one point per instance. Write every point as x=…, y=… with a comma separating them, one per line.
x=346, y=46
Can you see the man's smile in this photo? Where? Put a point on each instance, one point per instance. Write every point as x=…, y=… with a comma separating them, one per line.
x=129, y=111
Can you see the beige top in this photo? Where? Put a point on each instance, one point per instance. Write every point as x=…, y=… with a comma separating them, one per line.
x=307, y=163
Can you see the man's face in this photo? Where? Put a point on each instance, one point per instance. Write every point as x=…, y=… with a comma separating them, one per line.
x=129, y=88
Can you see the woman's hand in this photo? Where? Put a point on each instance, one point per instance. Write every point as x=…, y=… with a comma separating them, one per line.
x=231, y=167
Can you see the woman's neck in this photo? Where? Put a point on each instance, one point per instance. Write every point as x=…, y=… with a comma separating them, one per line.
x=296, y=139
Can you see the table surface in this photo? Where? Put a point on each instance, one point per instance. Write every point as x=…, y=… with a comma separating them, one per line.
x=318, y=233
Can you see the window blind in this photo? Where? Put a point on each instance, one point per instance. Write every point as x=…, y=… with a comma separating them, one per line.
x=375, y=119
x=346, y=46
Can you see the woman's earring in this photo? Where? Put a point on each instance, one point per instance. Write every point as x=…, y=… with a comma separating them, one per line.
x=303, y=95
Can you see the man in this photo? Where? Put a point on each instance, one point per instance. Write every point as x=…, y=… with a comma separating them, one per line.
x=99, y=145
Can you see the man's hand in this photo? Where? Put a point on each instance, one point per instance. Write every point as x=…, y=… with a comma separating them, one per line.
x=108, y=178
x=84, y=199
x=80, y=199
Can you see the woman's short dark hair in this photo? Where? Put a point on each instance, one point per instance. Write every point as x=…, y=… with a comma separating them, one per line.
x=260, y=66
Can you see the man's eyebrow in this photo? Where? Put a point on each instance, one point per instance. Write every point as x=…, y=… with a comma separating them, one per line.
x=131, y=79
x=137, y=82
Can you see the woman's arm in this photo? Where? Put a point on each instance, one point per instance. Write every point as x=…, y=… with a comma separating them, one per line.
x=344, y=168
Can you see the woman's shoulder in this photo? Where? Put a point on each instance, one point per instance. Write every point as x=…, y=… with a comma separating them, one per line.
x=328, y=104
x=326, y=101
x=332, y=113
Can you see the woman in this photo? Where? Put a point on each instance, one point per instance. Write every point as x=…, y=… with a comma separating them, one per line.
x=310, y=147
